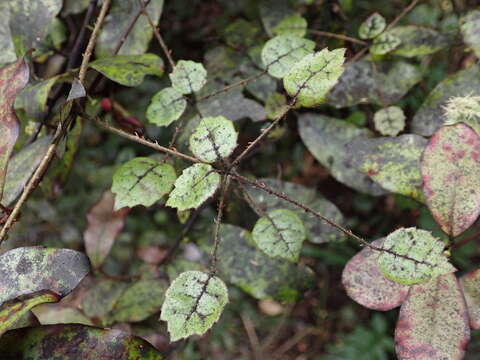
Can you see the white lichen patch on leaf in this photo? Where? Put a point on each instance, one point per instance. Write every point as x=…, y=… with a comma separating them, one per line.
x=463, y=109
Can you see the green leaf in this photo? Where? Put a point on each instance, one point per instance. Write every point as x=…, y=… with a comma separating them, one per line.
x=275, y=105
x=394, y=163
x=372, y=26
x=413, y=256
x=327, y=138
x=389, y=121
x=365, y=284
x=188, y=76
x=384, y=43
x=27, y=270
x=433, y=321
x=272, y=12
x=129, y=70
x=193, y=303
x=282, y=52
x=120, y=16
x=214, y=138
x=313, y=76
x=33, y=98
x=241, y=33
x=451, y=177
x=291, y=25
x=280, y=233
x=166, y=106
x=142, y=181
x=196, y=184
x=417, y=40
x=470, y=285
x=77, y=341
x=7, y=50
x=470, y=28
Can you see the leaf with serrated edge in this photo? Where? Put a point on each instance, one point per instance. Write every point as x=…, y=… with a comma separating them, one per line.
x=280, y=233
x=372, y=26
x=142, y=181
x=365, y=284
x=282, y=52
x=166, y=106
x=451, y=177
x=389, y=121
x=413, y=256
x=193, y=303
x=213, y=139
x=433, y=321
x=188, y=76
x=196, y=184
x=310, y=79
x=470, y=284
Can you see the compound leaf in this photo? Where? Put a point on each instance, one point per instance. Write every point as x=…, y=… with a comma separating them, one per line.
x=280, y=233
x=142, y=181
x=470, y=29
x=470, y=284
x=313, y=76
x=413, y=256
x=372, y=26
x=364, y=282
x=384, y=43
x=433, y=321
x=293, y=25
x=129, y=70
x=188, y=76
x=213, y=139
x=389, y=121
x=282, y=52
x=196, y=184
x=193, y=303
x=451, y=177
x=166, y=106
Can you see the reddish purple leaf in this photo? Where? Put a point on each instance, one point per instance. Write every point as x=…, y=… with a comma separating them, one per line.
x=104, y=224
x=365, y=284
x=433, y=321
x=451, y=177
x=470, y=284
x=13, y=78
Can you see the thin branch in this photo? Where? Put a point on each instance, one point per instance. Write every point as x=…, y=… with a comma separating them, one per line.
x=252, y=336
x=402, y=14
x=337, y=36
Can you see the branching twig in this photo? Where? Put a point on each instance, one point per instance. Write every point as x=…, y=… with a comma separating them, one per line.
x=338, y=36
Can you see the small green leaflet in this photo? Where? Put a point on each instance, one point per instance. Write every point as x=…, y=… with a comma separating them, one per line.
x=275, y=105
x=389, y=121
x=311, y=78
x=193, y=303
x=196, y=184
x=384, y=43
x=129, y=70
x=280, y=234
x=214, y=138
x=413, y=256
x=293, y=25
x=282, y=52
x=188, y=76
x=470, y=29
x=372, y=26
x=142, y=181
x=167, y=106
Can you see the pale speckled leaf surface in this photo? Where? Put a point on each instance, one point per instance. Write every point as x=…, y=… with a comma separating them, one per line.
x=470, y=29
x=417, y=40
x=188, y=76
x=394, y=163
x=372, y=26
x=451, y=177
x=294, y=25
x=389, y=121
x=7, y=50
x=272, y=12
x=166, y=106
x=384, y=43
x=365, y=284
x=433, y=321
x=470, y=285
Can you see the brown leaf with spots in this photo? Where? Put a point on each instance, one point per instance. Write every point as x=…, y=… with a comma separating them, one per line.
x=13, y=78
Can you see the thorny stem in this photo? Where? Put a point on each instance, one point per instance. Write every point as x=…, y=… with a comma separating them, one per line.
x=218, y=220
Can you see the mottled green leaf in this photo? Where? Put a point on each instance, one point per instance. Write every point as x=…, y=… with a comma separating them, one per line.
x=74, y=342
x=471, y=30
x=142, y=181
x=103, y=226
x=196, y=184
x=214, y=138
x=241, y=33
x=433, y=321
x=431, y=114
x=33, y=98
x=365, y=284
x=275, y=105
x=326, y=138
x=21, y=168
x=272, y=12
x=394, y=163
x=7, y=50
x=193, y=303
x=166, y=106
x=12, y=79
x=51, y=314
x=188, y=76
x=451, y=177
x=282, y=52
x=384, y=43
x=27, y=270
x=291, y=25
x=120, y=16
x=372, y=26
x=413, y=256
x=389, y=121
x=280, y=233
x=313, y=76
x=129, y=70
x=417, y=40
